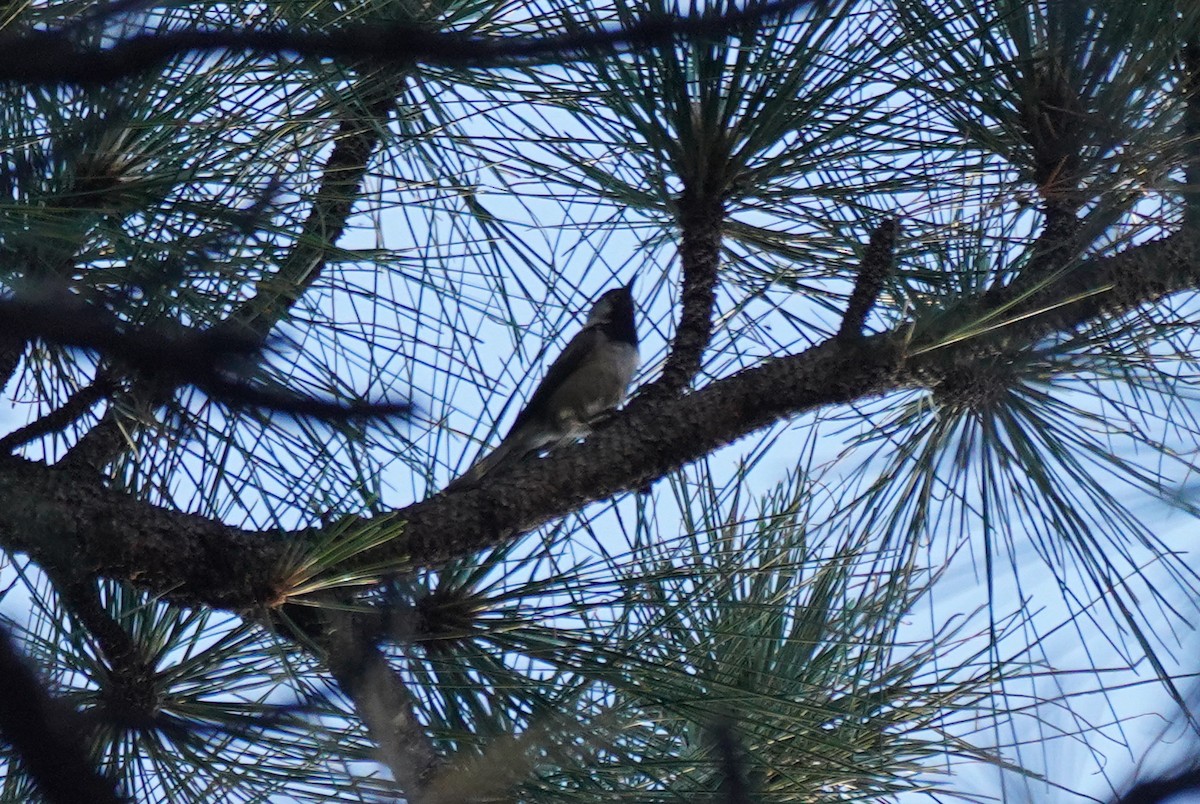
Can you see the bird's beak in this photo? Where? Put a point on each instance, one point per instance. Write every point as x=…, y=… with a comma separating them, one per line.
x=629, y=286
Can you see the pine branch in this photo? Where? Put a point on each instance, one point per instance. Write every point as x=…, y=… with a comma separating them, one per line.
x=57, y=420
x=52, y=58
x=82, y=599
x=382, y=701
x=1053, y=118
x=161, y=549
x=701, y=215
x=734, y=788
x=98, y=177
x=45, y=735
x=872, y=273
x=10, y=360
x=356, y=142
x=192, y=559
x=209, y=360
x=1190, y=86
x=1155, y=791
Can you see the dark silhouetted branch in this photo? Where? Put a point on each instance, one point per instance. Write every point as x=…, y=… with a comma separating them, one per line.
x=731, y=760
x=1155, y=791
x=1055, y=124
x=877, y=264
x=10, y=360
x=65, y=320
x=80, y=595
x=197, y=560
x=207, y=359
x=76, y=406
x=1190, y=86
x=110, y=436
x=700, y=218
x=46, y=58
x=45, y=735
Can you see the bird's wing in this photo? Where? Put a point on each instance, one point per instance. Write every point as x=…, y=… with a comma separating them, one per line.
x=571, y=358
x=520, y=440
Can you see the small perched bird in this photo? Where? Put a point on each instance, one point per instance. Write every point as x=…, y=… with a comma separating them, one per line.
x=590, y=377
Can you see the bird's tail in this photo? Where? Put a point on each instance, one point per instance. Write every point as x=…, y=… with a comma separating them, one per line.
x=514, y=446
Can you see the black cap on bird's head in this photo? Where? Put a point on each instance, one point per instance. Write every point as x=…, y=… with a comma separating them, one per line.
x=611, y=304
x=614, y=311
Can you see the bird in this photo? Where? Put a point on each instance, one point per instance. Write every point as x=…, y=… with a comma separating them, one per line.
x=588, y=379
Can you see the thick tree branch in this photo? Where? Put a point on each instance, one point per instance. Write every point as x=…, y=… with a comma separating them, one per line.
x=1155, y=791
x=52, y=57
x=1190, y=87
x=382, y=701
x=58, y=516
x=731, y=761
x=45, y=735
x=10, y=359
x=196, y=560
x=652, y=437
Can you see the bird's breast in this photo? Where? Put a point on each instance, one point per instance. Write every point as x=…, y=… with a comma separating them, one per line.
x=616, y=363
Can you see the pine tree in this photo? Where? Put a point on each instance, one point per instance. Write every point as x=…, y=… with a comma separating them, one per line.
x=897, y=495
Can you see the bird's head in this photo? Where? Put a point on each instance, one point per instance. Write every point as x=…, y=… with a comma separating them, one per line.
x=614, y=305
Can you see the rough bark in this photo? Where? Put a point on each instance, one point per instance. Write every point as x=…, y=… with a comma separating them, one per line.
x=382, y=701
x=701, y=213
x=193, y=559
